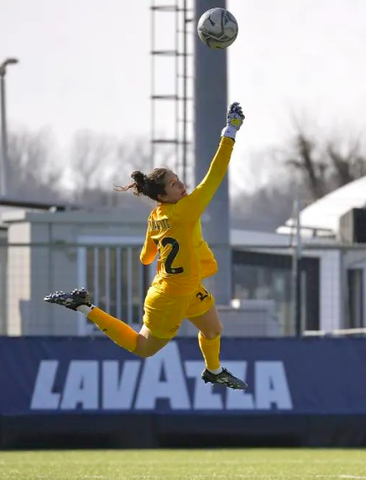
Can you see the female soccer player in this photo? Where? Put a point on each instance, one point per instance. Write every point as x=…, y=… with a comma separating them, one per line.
x=173, y=232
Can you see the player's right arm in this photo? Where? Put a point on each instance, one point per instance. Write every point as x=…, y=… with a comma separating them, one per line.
x=193, y=205
x=149, y=250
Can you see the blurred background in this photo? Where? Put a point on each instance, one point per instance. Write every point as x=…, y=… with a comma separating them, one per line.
x=92, y=91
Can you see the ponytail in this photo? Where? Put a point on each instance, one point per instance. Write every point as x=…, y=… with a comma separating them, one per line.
x=138, y=185
x=150, y=185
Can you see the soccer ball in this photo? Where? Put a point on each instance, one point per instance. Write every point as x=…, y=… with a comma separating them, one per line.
x=217, y=28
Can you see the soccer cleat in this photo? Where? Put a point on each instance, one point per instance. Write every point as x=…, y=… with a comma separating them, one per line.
x=224, y=378
x=71, y=300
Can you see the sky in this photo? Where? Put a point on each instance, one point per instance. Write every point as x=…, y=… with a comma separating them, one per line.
x=86, y=64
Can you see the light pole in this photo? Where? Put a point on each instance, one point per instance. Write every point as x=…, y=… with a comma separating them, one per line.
x=4, y=139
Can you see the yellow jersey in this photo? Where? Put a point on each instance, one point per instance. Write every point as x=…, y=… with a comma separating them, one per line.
x=174, y=231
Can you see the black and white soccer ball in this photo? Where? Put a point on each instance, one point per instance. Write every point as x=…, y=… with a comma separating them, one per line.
x=217, y=28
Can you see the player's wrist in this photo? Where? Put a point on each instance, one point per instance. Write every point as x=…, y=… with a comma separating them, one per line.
x=229, y=131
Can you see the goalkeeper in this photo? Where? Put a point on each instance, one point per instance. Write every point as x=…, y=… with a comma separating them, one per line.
x=184, y=259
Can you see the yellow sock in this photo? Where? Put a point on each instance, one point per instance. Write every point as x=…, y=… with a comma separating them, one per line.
x=210, y=349
x=117, y=330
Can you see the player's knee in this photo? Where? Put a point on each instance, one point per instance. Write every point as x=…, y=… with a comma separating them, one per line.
x=143, y=353
x=213, y=331
x=149, y=354
x=217, y=332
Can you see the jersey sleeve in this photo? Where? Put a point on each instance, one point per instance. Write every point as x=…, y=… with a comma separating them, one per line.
x=208, y=261
x=192, y=206
x=149, y=250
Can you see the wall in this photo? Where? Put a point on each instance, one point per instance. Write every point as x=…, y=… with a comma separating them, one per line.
x=82, y=391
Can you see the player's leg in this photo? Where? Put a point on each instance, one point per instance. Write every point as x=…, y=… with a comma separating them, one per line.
x=203, y=314
x=142, y=344
x=145, y=343
x=210, y=329
x=162, y=319
x=79, y=301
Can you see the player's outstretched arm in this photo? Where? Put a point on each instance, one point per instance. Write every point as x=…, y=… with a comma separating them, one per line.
x=192, y=206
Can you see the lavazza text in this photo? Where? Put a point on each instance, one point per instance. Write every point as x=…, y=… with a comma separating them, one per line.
x=111, y=385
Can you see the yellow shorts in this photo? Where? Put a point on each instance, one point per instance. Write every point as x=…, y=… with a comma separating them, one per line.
x=165, y=313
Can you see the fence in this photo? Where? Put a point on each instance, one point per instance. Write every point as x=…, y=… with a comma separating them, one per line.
x=331, y=282
x=113, y=274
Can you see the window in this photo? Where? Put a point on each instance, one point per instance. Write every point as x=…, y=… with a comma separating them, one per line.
x=269, y=277
x=116, y=280
x=355, y=298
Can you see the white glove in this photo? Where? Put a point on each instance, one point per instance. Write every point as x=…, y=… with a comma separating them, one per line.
x=235, y=118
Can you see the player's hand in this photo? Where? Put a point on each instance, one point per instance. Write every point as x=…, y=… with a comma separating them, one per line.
x=235, y=118
x=235, y=115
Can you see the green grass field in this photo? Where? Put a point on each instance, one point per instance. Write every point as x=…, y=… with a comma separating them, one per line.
x=276, y=464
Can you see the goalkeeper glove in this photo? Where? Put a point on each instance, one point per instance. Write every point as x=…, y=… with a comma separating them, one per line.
x=235, y=118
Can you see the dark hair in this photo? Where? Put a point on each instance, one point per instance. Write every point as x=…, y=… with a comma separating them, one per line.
x=150, y=185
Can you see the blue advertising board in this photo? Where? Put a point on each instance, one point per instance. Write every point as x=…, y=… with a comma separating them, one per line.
x=83, y=375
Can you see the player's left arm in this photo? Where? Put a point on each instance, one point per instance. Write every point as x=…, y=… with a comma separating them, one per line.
x=149, y=250
x=192, y=206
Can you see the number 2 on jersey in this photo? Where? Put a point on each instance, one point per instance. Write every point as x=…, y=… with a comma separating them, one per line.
x=172, y=254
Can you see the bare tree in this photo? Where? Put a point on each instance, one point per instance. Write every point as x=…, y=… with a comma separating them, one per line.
x=323, y=166
x=265, y=209
x=312, y=168
x=89, y=157
x=99, y=161
x=34, y=173
x=95, y=163
x=347, y=166
x=320, y=166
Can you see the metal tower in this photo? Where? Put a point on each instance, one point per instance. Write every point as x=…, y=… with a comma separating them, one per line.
x=170, y=83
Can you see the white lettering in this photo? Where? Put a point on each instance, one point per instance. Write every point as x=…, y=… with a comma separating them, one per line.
x=162, y=377
x=43, y=398
x=81, y=386
x=271, y=386
x=173, y=388
x=203, y=397
x=118, y=391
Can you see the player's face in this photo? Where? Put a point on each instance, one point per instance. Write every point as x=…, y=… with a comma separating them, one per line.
x=174, y=188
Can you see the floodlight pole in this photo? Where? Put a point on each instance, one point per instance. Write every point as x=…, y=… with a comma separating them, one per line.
x=296, y=271
x=4, y=138
x=210, y=100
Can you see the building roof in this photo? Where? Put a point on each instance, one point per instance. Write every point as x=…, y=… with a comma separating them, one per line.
x=323, y=215
x=245, y=238
x=129, y=211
